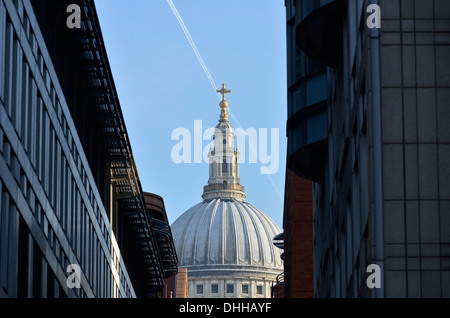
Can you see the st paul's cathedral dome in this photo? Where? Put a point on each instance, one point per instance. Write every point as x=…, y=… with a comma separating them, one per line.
x=224, y=242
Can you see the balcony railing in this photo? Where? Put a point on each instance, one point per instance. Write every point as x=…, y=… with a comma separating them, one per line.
x=220, y=186
x=278, y=286
x=166, y=247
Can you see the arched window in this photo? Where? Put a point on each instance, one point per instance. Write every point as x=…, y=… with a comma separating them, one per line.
x=224, y=165
x=224, y=183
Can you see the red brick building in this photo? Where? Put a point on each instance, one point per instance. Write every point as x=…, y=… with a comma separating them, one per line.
x=298, y=238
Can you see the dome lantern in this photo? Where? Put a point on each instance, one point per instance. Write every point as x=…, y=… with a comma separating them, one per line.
x=224, y=242
x=223, y=179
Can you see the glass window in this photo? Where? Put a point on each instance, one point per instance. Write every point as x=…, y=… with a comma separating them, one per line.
x=298, y=62
x=230, y=288
x=199, y=289
x=259, y=290
x=224, y=165
x=298, y=98
x=214, y=288
x=308, y=7
x=316, y=126
x=316, y=89
x=314, y=66
x=245, y=289
x=290, y=7
x=8, y=67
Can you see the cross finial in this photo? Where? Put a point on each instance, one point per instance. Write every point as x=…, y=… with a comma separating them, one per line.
x=223, y=91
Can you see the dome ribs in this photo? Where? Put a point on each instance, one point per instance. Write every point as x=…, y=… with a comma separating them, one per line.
x=226, y=234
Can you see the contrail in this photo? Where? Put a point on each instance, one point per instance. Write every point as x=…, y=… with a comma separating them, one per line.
x=214, y=86
x=191, y=42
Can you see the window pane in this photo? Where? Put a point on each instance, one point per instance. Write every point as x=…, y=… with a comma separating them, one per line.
x=224, y=166
x=298, y=99
x=259, y=290
x=316, y=126
x=316, y=89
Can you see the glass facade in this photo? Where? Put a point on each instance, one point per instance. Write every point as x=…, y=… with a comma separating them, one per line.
x=52, y=211
x=341, y=198
x=405, y=236
x=307, y=96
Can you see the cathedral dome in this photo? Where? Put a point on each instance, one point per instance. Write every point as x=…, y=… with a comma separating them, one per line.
x=226, y=232
x=224, y=242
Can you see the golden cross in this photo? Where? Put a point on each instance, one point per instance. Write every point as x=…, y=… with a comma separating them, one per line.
x=223, y=91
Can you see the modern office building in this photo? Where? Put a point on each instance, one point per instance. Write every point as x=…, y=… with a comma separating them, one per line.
x=224, y=242
x=307, y=146
x=160, y=223
x=367, y=110
x=73, y=216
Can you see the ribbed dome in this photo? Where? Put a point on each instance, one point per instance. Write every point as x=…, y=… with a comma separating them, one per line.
x=224, y=240
x=226, y=232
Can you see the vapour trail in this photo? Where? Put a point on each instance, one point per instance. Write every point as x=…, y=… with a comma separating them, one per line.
x=191, y=42
x=214, y=86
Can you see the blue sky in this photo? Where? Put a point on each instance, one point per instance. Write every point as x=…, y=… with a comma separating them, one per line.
x=162, y=86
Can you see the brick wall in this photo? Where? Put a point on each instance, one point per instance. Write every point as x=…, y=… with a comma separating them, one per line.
x=298, y=230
